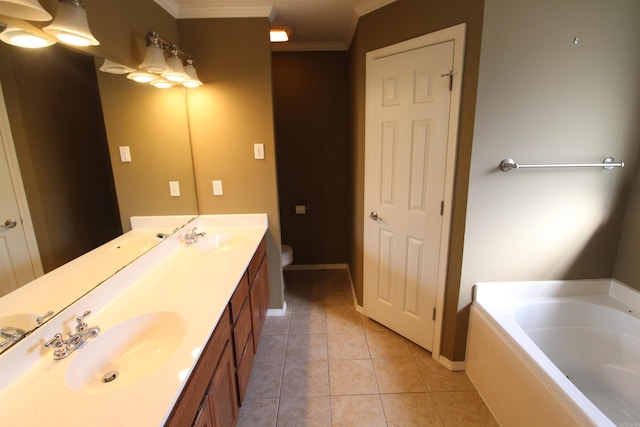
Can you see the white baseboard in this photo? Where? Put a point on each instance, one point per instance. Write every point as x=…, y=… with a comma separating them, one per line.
x=278, y=311
x=451, y=365
x=316, y=267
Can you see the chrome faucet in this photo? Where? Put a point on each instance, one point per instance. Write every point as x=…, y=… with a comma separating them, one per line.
x=64, y=347
x=191, y=237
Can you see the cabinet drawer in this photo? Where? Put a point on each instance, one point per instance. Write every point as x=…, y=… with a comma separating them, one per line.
x=244, y=369
x=239, y=297
x=186, y=408
x=242, y=331
x=254, y=265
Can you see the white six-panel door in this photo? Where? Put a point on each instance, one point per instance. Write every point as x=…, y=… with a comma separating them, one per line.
x=19, y=258
x=408, y=109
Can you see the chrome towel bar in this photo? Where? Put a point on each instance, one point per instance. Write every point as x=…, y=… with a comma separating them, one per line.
x=608, y=163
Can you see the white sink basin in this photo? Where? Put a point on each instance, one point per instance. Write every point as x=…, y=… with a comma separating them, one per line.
x=220, y=240
x=125, y=353
x=26, y=321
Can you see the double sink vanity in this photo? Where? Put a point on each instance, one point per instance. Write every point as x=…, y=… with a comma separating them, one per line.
x=169, y=339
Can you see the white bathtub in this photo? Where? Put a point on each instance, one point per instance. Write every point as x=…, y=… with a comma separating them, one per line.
x=561, y=353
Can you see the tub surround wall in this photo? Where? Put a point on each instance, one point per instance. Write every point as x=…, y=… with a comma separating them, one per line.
x=230, y=113
x=544, y=99
x=627, y=267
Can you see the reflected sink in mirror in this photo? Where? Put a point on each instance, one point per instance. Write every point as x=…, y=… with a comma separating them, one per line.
x=16, y=326
x=137, y=243
x=125, y=353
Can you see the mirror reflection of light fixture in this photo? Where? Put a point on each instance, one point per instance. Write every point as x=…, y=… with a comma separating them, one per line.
x=23, y=38
x=177, y=73
x=111, y=67
x=29, y=10
x=163, y=72
x=70, y=25
x=278, y=35
x=193, y=80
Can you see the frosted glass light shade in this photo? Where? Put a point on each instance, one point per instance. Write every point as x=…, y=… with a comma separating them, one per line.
x=154, y=61
x=70, y=25
x=111, y=67
x=177, y=73
x=22, y=38
x=193, y=80
x=141, y=76
x=161, y=83
x=29, y=10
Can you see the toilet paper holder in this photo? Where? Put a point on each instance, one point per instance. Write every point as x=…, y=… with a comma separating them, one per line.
x=301, y=208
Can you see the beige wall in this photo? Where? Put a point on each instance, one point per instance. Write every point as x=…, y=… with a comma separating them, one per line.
x=627, y=268
x=153, y=124
x=230, y=113
x=400, y=21
x=541, y=98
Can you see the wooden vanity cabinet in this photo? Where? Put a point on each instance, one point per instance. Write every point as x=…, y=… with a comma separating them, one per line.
x=216, y=387
x=258, y=291
x=208, y=398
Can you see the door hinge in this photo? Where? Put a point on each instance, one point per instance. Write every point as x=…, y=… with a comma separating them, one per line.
x=434, y=313
x=442, y=208
x=450, y=75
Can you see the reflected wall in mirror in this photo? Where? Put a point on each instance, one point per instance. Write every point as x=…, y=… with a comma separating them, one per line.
x=67, y=122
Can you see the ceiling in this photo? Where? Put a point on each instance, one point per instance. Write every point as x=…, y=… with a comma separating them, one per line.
x=313, y=24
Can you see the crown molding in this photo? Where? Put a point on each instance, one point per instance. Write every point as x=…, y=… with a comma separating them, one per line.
x=366, y=6
x=308, y=47
x=169, y=5
x=216, y=11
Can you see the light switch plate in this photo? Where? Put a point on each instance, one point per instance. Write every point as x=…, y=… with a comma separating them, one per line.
x=217, y=187
x=125, y=154
x=174, y=188
x=258, y=151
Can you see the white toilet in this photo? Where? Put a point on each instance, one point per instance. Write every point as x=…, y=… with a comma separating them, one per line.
x=287, y=255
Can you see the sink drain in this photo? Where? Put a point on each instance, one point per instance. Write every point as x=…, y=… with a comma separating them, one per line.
x=110, y=376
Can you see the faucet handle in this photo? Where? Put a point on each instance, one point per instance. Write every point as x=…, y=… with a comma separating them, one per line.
x=81, y=325
x=55, y=342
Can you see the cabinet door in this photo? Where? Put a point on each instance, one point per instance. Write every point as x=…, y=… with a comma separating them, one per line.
x=222, y=392
x=257, y=307
x=203, y=418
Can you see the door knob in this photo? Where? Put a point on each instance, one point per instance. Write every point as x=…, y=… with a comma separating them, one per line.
x=374, y=216
x=10, y=223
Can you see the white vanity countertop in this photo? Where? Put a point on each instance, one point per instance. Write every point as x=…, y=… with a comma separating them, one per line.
x=80, y=275
x=187, y=286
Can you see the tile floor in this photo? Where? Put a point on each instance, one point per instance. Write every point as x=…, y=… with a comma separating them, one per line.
x=324, y=364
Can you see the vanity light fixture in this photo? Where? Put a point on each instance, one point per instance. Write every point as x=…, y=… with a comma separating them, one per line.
x=70, y=25
x=29, y=10
x=177, y=73
x=141, y=76
x=163, y=72
x=161, y=83
x=21, y=37
x=193, y=80
x=154, y=60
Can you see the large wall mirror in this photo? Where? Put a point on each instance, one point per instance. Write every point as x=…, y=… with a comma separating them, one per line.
x=68, y=122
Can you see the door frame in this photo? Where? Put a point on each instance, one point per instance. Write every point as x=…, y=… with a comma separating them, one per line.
x=457, y=34
x=6, y=138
